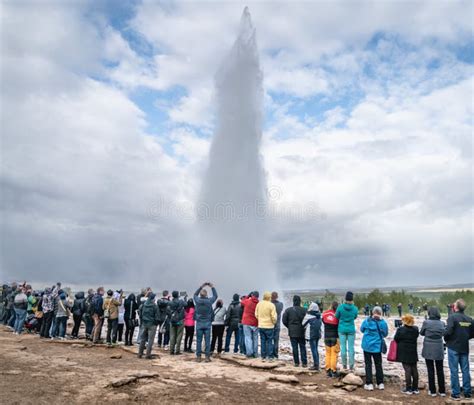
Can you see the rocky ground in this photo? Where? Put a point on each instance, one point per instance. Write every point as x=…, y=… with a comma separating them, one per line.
x=43, y=371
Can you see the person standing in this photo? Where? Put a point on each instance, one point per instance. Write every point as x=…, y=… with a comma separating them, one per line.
x=331, y=339
x=97, y=314
x=10, y=317
x=276, y=331
x=218, y=326
x=292, y=319
x=250, y=324
x=312, y=324
x=458, y=332
x=399, y=307
x=175, y=314
x=163, y=323
x=20, y=305
x=129, y=317
x=77, y=313
x=149, y=316
x=375, y=329
x=204, y=315
x=48, y=313
x=88, y=310
x=346, y=314
x=111, y=312
x=266, y=315
x=232, y=320
x=189, y=326
x=62, y=315
x=406, y=338
x=433, y=330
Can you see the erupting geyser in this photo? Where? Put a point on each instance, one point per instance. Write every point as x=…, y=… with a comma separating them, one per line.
x=232, y=203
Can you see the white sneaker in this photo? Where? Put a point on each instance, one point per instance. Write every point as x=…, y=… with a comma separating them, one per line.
x=432, y=394
x=368, y=387
x=381, y=387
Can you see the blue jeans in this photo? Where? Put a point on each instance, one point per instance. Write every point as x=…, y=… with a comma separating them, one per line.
x=313, y=344
x=251, y=340
x=299, y=345
x=276, y=341
x=20, y=316
x=241, y=339
x=455, y=360
x=53, y=329
x=11, y=318
x=232, y=330
x=266, y=342
x=62, y=325
x=203, y=329
x=346, y=341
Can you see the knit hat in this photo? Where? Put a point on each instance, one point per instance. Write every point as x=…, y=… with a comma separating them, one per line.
x=408, y=320
x=349, y=296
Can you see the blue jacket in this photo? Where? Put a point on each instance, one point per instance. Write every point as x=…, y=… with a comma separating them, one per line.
x=372, y=342
x=346, y=313
x=203, y=306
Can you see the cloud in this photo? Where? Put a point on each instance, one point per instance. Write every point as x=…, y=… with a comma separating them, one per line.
x=367, y=144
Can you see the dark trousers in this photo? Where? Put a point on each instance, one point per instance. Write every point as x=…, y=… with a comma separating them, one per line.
x=120, y=331
x=299, y=345
x=77, y=325
x=163, y=338
x=232, y=330
x=129, y=329
x=430, y=365
x=217, y=336
x=377, y=357
x=89, y=325
x=188, y=337
x=112, y=326
x=46, y=326
x=411, y=376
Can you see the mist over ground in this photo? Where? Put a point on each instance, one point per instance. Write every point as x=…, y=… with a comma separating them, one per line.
x=108, y=112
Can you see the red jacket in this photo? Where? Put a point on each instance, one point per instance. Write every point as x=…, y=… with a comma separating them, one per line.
x=248, y=317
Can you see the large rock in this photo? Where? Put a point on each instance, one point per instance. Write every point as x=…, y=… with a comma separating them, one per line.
x=352, y=379
x=289, y=379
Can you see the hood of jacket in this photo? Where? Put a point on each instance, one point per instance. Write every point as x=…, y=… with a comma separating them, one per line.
x=79, y=295
x=296, y=301
x=433, y=313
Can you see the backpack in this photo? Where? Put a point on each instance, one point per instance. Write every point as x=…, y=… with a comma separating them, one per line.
x=96, y=307
x=88, y=307
x=176, y=317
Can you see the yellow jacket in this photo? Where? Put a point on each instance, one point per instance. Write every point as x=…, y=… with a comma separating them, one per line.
x=265, y=312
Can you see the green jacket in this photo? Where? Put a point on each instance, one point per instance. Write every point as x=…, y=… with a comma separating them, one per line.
x=149, y=314
x=346, y=313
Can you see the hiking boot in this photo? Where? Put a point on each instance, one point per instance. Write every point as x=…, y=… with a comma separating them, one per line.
x=407, y=392
x=198, y=359
x=468, y=396
x=140, y=355
x=314, y=368
x=208, y=360
x=455, y=397
x=304, y=366
x=329, y=373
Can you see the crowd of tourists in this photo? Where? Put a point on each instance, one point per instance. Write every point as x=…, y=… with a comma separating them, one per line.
x=246, y=319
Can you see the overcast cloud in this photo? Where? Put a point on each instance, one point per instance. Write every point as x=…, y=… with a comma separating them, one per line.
x=107, y=114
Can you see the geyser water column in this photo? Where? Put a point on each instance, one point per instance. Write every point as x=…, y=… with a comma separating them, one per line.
x=232, y=205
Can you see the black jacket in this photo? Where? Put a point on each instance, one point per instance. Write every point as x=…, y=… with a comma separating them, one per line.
x=162, y=307
x=233, y=315
x=149, y=313
x=406, y=338
x=292, y=319
x=78, y=307
x=130, y=305
x=458, y=331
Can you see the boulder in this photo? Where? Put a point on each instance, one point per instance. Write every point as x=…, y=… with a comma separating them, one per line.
x=421, y=385
x=352, y=379
x=116, y=356
x=349, y=388
x=289, y=379
x=22, y=348
x=122, y=381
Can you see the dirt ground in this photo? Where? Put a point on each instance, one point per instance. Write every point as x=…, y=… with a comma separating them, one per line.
x=35, y=371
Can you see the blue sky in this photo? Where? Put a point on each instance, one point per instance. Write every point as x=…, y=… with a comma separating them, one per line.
x=110, y=106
